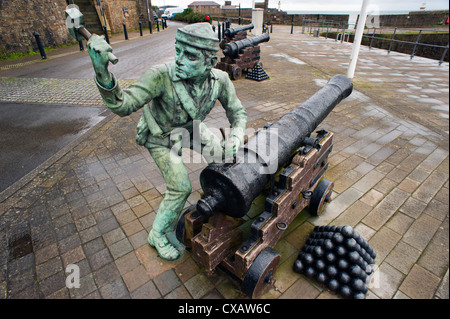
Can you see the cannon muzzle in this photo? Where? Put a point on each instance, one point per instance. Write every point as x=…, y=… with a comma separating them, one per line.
x=233, y=49
x=231, y=32
x=231, y=188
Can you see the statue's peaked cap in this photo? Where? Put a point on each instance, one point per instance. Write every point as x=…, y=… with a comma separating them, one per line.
x=199, y=35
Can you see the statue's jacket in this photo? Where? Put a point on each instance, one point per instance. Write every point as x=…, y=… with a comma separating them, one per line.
x=168, y=103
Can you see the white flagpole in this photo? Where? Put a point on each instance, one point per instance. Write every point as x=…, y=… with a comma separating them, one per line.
x=358, y=37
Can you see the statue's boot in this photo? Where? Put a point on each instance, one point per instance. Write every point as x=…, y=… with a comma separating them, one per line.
x=165, y=249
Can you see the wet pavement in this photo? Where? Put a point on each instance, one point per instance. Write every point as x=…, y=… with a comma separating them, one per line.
x=94, y=204
x=30, y=134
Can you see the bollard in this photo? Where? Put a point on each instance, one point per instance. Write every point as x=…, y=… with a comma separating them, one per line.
x=125, y=31
x=219, y=31
x=140, y=28
x=106, y=34
x=162, y=23
x=214, y=28
x=39, y=44
x=292, y=25
x=223, y=30
x=150, y=26
x=157, y=24
x=80, y=43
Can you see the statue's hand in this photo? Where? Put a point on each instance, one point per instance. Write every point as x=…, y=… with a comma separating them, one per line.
x=231, y=146
x=100, y=53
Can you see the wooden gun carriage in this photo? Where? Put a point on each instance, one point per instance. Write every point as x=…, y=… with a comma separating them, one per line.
x=248, y=204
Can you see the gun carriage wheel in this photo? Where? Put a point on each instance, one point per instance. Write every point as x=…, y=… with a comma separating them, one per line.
x=320, y=197
x=260, y=276
x=236, y=73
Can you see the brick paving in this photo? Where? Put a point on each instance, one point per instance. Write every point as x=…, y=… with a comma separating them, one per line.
x=94, y=205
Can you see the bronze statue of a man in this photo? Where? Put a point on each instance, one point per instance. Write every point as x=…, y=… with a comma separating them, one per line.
x=181, y=94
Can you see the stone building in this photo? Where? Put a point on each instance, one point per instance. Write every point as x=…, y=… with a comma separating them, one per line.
x=20, y=18
x=205, y=7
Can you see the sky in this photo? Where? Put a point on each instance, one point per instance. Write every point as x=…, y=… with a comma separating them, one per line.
x=329, y=5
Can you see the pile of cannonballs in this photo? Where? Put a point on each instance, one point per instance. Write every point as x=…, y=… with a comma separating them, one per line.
x=338, y=257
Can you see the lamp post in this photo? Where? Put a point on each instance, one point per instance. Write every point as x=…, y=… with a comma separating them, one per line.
x=358, y=38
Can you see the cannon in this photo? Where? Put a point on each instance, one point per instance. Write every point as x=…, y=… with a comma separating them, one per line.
x=247, y=204
x=242, y=55
x=235, y=34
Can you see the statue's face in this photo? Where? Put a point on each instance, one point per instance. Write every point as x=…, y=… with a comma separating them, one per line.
x=190, y=62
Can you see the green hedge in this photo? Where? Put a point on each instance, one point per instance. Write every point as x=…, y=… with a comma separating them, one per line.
x=189, y=16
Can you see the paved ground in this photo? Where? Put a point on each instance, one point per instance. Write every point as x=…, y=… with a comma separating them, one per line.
x=94, y=205
x=43, y=130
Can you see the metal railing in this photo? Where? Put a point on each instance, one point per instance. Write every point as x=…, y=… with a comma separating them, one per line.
x=344, y=33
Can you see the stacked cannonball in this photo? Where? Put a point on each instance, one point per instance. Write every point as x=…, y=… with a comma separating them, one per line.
x=338, y=257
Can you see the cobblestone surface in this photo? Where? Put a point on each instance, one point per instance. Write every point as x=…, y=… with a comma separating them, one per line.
x=94, y=206
x=52, y=91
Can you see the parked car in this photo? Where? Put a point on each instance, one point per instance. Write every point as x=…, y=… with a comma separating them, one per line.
x=171, y=12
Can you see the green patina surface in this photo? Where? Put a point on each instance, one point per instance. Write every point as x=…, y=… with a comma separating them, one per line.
x=175, y=99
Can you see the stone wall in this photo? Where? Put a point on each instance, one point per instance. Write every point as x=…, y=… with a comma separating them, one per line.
x=279, y=17
x=20, y=18
x=414, y=19
x=114, y=11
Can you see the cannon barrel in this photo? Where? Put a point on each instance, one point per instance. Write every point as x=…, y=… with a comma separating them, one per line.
x=232, y=49
x=231, y=187
x=231, y=32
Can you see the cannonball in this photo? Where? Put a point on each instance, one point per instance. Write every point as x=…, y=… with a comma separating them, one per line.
x=359, y=295
x=299, y=266
x=357, y=284
x=351, y=243
x=355, y=271
x=333, y=284
x=332, y=271
x=340, y=251
x=342, y=264
x=321, y=277
x=318, y=251
x=338, y=238
x=347, y=231
x=328, y=244
x=308, y=259
x=320, y=264
x=310, y=272
x=328, y=235
x=353, y=257
x=345, y=291
x=330, y=257
x=344, y=278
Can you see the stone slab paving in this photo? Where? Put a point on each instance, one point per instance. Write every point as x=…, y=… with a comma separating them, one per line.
x=94, y=206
